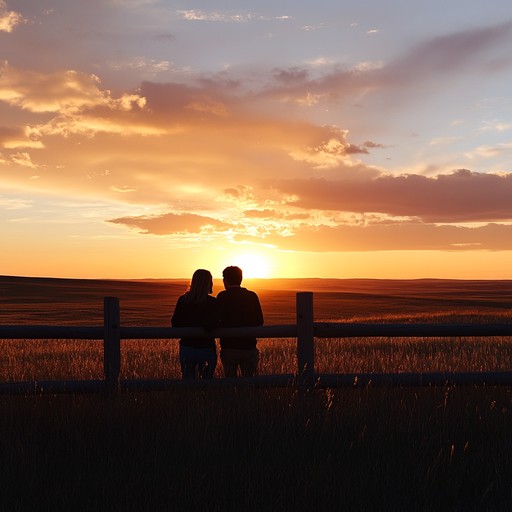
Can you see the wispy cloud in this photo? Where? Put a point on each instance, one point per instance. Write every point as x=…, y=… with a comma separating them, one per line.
x=223, y=16
x=171, y=223
x=491, y=150
x=9, y=20
x=14, y=203
x=23, y=159
x=496, y=126
x=419, y=67
x=393, y=237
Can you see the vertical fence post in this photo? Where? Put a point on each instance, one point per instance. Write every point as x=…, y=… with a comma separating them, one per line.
x=112, y=342
x=305, y=339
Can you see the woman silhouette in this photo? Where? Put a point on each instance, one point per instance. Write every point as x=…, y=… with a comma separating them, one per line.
x=197, y=308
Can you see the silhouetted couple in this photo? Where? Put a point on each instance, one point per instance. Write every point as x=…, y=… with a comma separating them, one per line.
x=234, y=307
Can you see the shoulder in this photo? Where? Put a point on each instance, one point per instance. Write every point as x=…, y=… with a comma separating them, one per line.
x=181, y=300
x=249, y=292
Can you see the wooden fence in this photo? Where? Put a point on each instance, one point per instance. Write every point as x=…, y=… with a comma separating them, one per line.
x=305, y=330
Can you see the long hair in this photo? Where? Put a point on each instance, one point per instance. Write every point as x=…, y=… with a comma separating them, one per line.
x=200, y=286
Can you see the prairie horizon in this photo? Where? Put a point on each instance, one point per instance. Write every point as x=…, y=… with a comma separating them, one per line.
x=79, y=302
x=48, y=300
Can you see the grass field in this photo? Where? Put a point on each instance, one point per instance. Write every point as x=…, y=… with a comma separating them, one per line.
x=43, y=360
x=243, y=449
x=231, y=448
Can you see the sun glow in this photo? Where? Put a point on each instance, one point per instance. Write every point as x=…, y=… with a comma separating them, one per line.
x=253, y=265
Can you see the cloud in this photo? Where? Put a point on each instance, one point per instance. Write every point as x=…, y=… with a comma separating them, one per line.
x=78, y=103
x=15, y=138
x=496, y=126
x=59, y=92
x=461, y=196
x=230, y=16
x=165, y=37
x=171, y=223
x=226, y=121
x=15, y=203
x=395, y=236
x=23, y=159
x=186, y=102
x=269, y=214
x=332, y=149
x=142, y=65
x=449, y=53
x=329, y=152
x=488, y=150
x=417, y=69
x=289, y=229
x=91, y=125
x=9, y=20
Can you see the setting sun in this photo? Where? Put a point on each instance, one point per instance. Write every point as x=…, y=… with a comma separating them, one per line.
x=253, y=265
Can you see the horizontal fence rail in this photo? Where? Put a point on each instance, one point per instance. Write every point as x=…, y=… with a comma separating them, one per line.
x=320, y=330
x=48, y=332
x=360, y=330
x=305, y=330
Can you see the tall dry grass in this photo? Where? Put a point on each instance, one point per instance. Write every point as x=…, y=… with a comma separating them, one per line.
x=36, y=360
x=230, y=448
x=39, y=360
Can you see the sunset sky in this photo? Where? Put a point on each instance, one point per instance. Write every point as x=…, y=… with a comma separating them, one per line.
x=148, y=138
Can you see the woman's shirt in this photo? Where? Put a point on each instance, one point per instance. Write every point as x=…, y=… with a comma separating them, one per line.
x=196, y=314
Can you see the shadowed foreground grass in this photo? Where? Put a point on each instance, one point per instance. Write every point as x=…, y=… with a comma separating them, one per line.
x=395, y=449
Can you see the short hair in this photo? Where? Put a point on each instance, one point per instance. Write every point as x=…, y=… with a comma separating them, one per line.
x=232, y=275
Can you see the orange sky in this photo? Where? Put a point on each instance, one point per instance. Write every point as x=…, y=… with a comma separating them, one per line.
x=140, y=140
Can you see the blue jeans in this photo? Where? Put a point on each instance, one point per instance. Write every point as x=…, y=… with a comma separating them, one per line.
x=197, y=362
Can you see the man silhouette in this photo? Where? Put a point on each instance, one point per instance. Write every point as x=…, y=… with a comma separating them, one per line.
x=238, y=307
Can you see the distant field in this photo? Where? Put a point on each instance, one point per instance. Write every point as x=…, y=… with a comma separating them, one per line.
x=151, y=302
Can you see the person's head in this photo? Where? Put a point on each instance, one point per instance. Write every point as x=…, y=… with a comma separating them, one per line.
x=200, y=286
x=232, y=276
